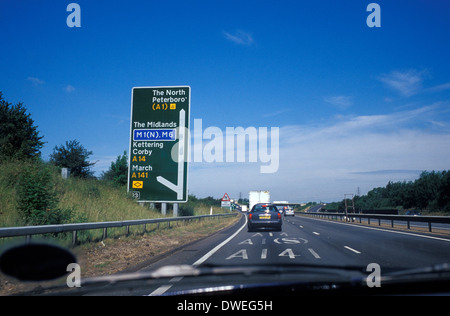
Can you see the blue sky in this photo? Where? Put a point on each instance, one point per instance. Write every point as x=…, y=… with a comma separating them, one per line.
x=356, y=106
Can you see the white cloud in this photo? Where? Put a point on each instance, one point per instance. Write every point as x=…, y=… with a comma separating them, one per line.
x=407, y=83
x=240, y=38
x=276, y=113
x=340, y=101
x=36, y=81
x=69, y=88
x=439, y=88
x=322, y=162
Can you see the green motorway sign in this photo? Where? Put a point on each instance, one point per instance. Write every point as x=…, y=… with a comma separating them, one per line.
x=159, y=144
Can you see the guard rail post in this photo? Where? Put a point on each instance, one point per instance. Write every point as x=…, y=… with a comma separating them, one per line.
x=74, y=237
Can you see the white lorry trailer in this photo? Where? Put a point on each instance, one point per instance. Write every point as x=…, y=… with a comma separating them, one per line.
x=255, y=197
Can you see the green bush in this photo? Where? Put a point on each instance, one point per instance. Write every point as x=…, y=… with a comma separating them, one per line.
x=186, y=210
x=37, y=198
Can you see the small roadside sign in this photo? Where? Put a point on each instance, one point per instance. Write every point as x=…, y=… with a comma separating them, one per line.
x=225, y=204
x=226, y=197
x=225, y=201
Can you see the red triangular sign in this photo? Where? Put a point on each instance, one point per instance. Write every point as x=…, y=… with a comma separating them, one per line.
x=226, y=197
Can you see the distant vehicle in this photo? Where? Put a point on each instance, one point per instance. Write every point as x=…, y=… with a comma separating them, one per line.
x=413, y=213
x=288, y=211
x=264, y=216
x=281, y=208
x=255, y=197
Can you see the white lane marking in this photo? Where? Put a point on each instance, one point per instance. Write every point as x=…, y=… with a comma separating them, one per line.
x=351, y=249
x=215, y=249
x=246, y=242
x=240, y=254
x=316, y=233
x=290, y=241
x=264, y=254
x=162, y=289
x=314, y=253
x=380, y=229
x=288, y=253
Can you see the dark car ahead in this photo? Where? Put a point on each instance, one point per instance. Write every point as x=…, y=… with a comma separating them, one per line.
x=264, y=216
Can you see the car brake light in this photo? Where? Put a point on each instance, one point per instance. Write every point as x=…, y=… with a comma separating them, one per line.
x=279, y=215
x=250, y=216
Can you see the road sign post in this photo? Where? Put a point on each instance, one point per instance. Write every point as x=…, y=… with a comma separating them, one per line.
x=159, y=144
x=225, y=202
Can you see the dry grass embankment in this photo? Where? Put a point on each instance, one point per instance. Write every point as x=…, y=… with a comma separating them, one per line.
x=97, y=201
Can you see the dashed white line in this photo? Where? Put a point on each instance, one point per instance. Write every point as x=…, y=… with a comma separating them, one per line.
x=161, y=290
x=316, y=233
x=264, y=254
x=314, y=253
x=351, y=249
x=383, y=230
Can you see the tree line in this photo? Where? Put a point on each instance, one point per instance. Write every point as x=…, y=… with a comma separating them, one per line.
x=21, y=144
x=20, y=140
x=431, y=192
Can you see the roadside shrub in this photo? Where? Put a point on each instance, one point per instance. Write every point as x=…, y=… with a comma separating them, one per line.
x=37, y=198
x=186, y=210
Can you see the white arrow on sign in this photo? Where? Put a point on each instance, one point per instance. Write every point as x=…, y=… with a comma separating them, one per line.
x=178, y=188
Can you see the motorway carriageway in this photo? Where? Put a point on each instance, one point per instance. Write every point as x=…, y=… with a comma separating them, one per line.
x=310, y=241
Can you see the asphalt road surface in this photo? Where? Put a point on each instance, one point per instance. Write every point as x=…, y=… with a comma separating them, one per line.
x=310, y=241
